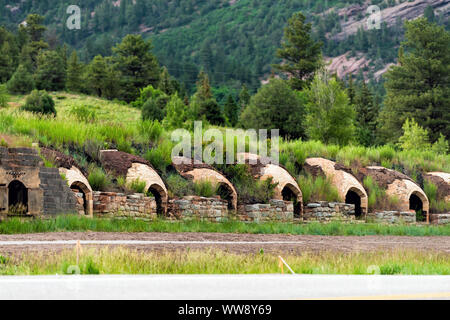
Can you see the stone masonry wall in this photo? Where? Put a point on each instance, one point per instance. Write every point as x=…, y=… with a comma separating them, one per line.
x=329, y=211
x=392, y=217
x=108, y=204
x=214, y=209
x=58, y=197
x=442, y=218
x=276, y=210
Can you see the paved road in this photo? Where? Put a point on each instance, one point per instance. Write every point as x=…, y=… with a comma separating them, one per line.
x=236, y=287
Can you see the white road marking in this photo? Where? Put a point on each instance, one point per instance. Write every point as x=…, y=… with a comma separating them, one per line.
x=236, y=287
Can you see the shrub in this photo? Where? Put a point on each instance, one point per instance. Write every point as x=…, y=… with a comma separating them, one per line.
x=99, y=180
x=249, y=190
x=155, y=109
x=205, y=188
x=121, y=181
x=137, y=186
x=430, y=190
x=145, y=94
x=179, y=186
x=377, y=198
x=84, y=113
x=151, y=130
x=3, y=97
x=414, y=137
x=441, y=145
x=317, y=189
x=40, y=102
x=160, y=157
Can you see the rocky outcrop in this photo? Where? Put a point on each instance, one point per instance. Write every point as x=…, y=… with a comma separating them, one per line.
x=403, y=11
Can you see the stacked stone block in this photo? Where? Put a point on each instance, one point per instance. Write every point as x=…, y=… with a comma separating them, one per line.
x=58, y=197
x=108, y=204
x=442, y=218
x=329, y=211
x=392, y=217
x=193, y=207
x=275, y=210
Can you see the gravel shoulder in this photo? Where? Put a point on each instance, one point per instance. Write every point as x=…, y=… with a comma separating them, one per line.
x=303, y=243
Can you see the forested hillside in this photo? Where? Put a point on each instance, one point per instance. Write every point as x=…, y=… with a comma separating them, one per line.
x=233, y=41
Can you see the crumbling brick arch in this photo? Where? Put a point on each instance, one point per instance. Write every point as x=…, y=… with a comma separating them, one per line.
x=442, y=181
x=357, y=197
x=17, y=197
x=77, y=181
x=286, y=188
x=153, y=183
x=134, y=168
x=160, y=195
x=418, y=201
x=198, y=171
x=292, y=193
x=344, y=181
x=217, y=179
x=399, y=187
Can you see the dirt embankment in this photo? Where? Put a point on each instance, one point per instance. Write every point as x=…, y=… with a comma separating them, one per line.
x=443, y=188
x=293, y=243
x=119, y=162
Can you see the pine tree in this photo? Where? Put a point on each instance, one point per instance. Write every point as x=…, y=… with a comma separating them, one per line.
x=21, y=82
x=351, y=89
x=50, y=73
x=244, y=97
x=74, y=74
x=137, y=65
x=165, y=83
x=206, y=57
x=96, y=75
x=231, y=111
x=429, y=14
x=300, y=53
x=276, y=106
x=6, y=63
x=366, y=115
x=204, y=91
x=419, y=87
x=34, y=29
x=204, y=104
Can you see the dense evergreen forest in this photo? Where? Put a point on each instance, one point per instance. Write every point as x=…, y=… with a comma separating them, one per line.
x=234, y=42
x=176, y=78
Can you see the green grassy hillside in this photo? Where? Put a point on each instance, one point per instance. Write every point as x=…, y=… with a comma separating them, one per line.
x=109, y=125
